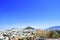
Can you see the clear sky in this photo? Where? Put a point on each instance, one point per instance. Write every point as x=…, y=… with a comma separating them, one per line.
x=36, y=13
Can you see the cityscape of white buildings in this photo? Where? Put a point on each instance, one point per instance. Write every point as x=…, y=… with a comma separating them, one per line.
x=5, y=34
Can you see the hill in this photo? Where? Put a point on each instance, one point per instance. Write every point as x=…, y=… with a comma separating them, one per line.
x=54, y=28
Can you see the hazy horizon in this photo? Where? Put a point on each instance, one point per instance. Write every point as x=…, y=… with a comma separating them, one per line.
x=36, y=13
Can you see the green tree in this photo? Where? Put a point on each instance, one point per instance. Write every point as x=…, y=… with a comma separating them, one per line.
x=20, y=39
x=52, y=34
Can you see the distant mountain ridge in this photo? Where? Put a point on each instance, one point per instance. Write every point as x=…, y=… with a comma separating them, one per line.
x=54, y=28
x=29, y=27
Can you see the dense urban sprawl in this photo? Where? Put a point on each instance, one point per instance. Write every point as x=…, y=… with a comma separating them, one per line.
x=29, y=33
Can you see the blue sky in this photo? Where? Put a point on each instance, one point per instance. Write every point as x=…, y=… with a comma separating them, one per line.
x=36, y=13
